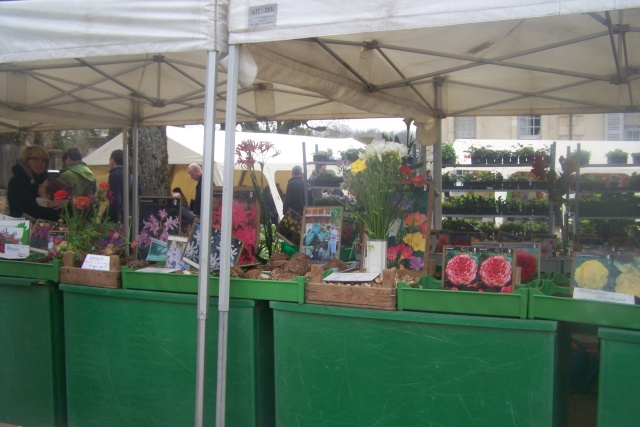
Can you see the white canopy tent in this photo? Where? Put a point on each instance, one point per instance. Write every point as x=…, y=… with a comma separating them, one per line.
x=184, y=146
x=113, y=63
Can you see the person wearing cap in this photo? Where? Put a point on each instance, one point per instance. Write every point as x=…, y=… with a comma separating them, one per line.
x=294, y=195
x=76, y=174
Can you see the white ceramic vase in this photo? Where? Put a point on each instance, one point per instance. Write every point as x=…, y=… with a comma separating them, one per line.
x=375, y=256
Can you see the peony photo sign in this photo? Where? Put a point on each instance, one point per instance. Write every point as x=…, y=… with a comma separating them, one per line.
x=468, y=268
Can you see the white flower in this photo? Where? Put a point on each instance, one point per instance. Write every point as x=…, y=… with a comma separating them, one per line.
x=378, y=146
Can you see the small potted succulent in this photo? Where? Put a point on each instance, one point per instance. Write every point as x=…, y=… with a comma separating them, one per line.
x=617, y=157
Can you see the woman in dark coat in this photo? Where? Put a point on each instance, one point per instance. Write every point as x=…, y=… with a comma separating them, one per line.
x=28, y=173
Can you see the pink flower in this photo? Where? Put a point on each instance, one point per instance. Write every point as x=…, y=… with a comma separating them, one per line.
x=495, y=271
x=527, y=263
x=461, y=269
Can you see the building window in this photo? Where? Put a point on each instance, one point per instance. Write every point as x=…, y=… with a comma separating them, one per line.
x=529, y=127
x=632, y=133
x=464, y=127
x=614, y=124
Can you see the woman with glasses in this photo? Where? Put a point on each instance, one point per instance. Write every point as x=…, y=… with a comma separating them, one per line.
x=28, y=173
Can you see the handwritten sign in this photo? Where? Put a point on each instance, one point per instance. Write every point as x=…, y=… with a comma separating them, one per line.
x=96, y=262
x=593, y=295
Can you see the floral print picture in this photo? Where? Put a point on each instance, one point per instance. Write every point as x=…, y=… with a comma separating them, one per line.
x=40, y=240
x=478, y=269
x=159, y=219
x=245, y=222
x=192, y=251
x=409, y=236
x=175, y=248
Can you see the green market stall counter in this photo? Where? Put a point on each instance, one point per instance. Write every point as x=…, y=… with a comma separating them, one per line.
x=131, y=359
x=337, y=366
x=619, y=377
x=32, y=378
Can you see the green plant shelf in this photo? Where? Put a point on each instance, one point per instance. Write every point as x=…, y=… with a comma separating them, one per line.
x=461, y=302
x=269, y=290
x=31, y=270
x=543, y=305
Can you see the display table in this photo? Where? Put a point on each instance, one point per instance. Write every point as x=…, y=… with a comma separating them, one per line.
x=32, y=379
x=619, y=381
x=131, y=359
x=339, y=366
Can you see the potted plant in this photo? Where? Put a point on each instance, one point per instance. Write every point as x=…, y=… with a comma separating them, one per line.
x=617, y=156
x=326, y=178
x=583, y=156
x=524, y=153
x=449, y=156
x=323, y=156
x=351, y=154
x=509, y=157
x=636, y=158
x=448, y=181
x=481, y=154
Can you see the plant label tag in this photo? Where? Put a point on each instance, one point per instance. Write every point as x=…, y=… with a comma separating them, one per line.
x=96, y=262
x=593, y=295
x=351, y=277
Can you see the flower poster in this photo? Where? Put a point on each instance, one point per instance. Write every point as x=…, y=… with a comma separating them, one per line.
x=176, y=246
x=527, y=257
x=626, y=273
x=409, y=239
x=192, y=251
x=321, y=233
x=159, y=219
x=478, y=269
x=593, y=270
x=439, y=239
x=245, y=222
x=40, y=240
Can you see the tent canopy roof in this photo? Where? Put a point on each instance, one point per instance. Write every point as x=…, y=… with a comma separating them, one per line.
x=419, y=60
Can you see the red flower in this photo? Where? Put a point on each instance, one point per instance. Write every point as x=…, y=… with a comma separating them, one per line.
x=104, y=186
x=419, y=180
x=60, y=195
x=527, y=263
x=82, y=203
x=461, y=269
x=405, y=170
x=392, y=252
x=495, y=271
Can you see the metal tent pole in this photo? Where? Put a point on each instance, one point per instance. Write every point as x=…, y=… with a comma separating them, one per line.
x=225, y=226
x=211, y=87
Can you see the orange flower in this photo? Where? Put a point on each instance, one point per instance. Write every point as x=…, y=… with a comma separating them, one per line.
x=415, y=218
x=82, y=203
x=104, y=186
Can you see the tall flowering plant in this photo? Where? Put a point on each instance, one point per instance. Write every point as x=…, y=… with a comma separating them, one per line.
x=380, y=187
x=251, y=153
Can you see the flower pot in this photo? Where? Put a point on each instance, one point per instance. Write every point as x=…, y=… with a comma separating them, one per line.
x=617, y=160
x=375, y=259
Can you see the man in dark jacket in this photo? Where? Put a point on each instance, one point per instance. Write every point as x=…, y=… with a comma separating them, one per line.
x=116, y=186
x=295, y=195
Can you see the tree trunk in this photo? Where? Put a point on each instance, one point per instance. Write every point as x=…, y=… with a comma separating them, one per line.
x=153, y=169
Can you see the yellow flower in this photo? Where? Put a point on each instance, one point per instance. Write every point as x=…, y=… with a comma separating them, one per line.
x=592, y=275
x=358, y=166
x=415, y=240
x=629, y=282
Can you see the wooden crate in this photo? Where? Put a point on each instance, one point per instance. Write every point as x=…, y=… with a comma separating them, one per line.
x=101, y=279
x=379, y=298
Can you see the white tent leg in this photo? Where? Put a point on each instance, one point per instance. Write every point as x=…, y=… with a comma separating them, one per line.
x=211, y=88
x=225, y=226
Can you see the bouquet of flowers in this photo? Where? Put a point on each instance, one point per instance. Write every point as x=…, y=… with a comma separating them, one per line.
x=380, y=186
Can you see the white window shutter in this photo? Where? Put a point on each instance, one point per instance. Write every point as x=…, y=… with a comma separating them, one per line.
x=614, y=125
